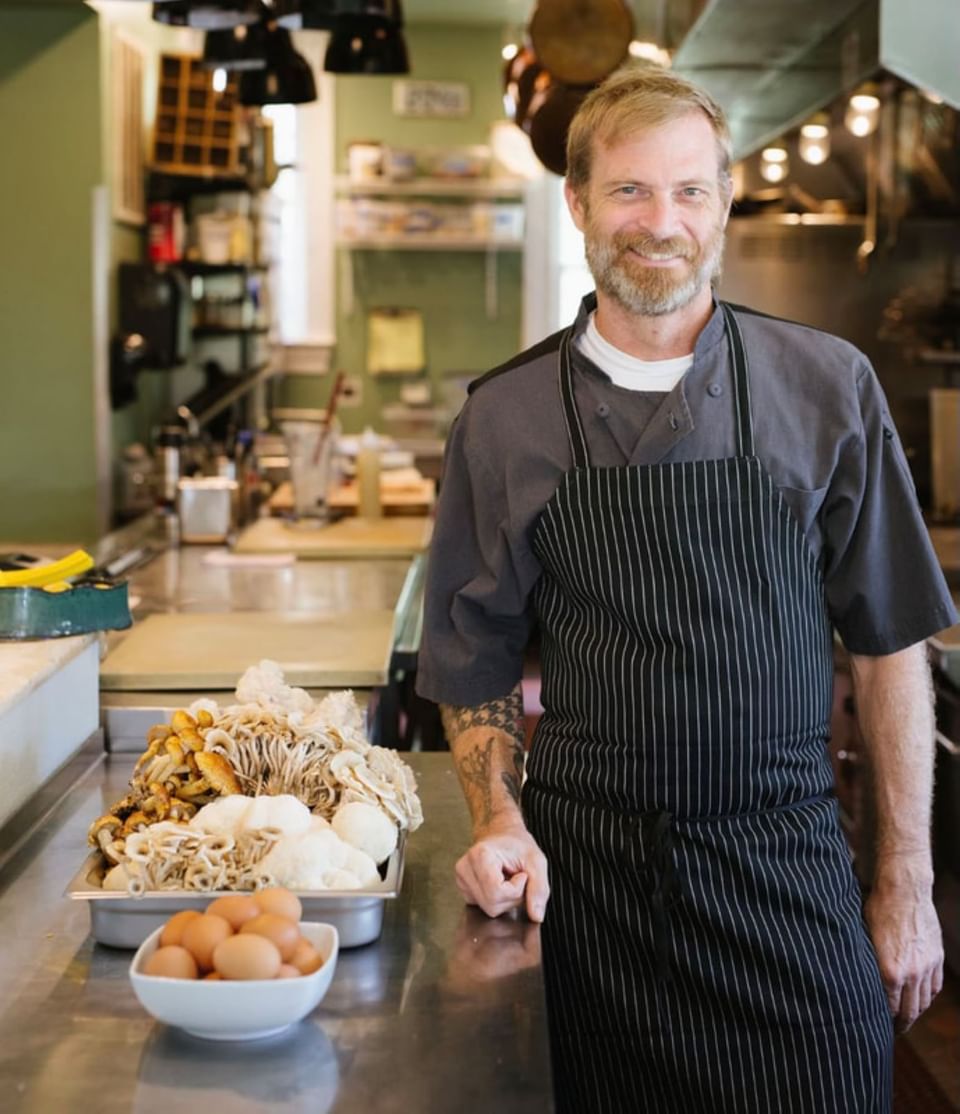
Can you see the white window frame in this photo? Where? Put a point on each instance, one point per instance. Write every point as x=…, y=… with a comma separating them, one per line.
x=307, y=293
x=556, y=275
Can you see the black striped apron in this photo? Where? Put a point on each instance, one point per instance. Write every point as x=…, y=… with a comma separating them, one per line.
x=704, y=947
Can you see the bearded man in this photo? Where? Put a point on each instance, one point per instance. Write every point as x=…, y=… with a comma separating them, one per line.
x=689, y=500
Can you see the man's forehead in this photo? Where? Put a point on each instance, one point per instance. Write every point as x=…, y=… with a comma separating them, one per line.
x=688, y=147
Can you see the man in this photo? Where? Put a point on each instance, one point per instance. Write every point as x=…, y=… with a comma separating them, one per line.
x=687, y=499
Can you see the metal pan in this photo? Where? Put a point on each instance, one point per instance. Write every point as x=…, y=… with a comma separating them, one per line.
x=121, y=921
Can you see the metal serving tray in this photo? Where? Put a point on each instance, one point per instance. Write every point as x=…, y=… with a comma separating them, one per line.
x=121, y=921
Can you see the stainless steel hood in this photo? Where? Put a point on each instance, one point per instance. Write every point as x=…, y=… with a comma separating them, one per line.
x=771, y=63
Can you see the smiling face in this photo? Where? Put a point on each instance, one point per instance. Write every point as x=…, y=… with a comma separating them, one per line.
x=653, y=216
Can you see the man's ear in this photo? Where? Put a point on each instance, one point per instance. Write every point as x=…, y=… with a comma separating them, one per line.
x=575, y=205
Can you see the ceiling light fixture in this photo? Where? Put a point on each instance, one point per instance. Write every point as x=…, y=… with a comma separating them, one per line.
x=814, y=142
x=240, y=48
x=863, y=112
x=305, y=15
x=774, y=163
x=208, y=15
x=285, y=79
x=650, y=52
x=367, y=39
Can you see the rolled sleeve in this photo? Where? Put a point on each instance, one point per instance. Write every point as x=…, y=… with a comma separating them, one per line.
x=885, y=589
x=480, y=575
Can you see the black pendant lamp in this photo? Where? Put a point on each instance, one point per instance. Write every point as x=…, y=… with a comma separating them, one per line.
x=285, y=79
x=208, y=15
x=367, y=39
x=240, y=48
x=305, y=15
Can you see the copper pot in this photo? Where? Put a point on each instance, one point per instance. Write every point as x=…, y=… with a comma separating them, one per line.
x=548, y=122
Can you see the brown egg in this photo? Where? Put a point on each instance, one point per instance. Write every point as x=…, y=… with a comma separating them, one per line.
x=280, y=902
x=202, y=935
x=171, y=962
x=213, y=976
x=247, y=957
x=282, y=933
x=173, y=929
x=306, y=958
x=288, y=972
x=235, y=908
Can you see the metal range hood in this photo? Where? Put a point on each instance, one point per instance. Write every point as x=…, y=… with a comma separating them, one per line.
x=771, y=63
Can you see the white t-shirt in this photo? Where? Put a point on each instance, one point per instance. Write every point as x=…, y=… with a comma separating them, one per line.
x=628, y=371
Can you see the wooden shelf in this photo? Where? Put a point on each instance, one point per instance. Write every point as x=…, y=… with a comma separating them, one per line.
x=229, y=330
x=939, y=356
x=429, y=243
x=433, y=187
x=197, y=268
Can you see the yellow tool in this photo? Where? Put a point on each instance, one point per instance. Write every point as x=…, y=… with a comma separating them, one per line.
x=72, y=565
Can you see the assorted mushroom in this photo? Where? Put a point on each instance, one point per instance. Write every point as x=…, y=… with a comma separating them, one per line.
x=277, y=741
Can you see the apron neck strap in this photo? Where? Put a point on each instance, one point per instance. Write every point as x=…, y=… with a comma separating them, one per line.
x=741, y=382
x=571, y=415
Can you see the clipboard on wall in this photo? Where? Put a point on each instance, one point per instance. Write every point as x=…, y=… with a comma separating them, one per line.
x=395, y=341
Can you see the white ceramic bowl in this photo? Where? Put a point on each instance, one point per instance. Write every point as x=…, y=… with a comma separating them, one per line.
x=235, y=1011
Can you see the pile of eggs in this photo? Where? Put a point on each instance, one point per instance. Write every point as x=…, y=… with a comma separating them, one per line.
x=237, y=937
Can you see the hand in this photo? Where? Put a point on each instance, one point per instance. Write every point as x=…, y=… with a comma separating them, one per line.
x=505, y=869
x=906, y=937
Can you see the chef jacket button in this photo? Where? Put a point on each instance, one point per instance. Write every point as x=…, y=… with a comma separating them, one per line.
x=714, y=390
x=603, y=410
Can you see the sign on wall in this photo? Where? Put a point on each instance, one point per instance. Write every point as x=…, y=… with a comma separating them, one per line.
x=431, y=98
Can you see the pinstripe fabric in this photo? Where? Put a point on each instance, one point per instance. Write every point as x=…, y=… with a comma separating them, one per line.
x=704, y=947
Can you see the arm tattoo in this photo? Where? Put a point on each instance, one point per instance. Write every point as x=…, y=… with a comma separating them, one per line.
x=491, y=760
x=474, y=769
x=506, y=713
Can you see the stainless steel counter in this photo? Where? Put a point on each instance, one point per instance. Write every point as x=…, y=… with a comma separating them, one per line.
x=183, y=579
x=444, y=1013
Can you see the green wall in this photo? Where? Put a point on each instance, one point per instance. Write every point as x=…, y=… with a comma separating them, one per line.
x=447, y=287
x=50, y=108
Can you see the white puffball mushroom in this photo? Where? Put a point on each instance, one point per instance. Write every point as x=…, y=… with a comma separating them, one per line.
x=225, y=816
x=359, y=863
x=337, y=879
x=283, y=811
x=367, y=828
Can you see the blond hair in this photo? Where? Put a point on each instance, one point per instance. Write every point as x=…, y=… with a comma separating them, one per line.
x=632, y=100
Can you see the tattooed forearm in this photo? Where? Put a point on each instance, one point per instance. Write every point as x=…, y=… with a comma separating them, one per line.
x=513, y=779
x=474, y=769
x=487, y=746
x=505, y=713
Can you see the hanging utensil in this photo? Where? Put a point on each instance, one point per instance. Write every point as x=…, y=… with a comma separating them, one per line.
x=580, y=42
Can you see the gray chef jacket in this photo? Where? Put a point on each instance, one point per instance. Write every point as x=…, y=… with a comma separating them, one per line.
x=822, y=430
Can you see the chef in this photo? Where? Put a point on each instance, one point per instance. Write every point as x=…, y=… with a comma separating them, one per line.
x=687, y=499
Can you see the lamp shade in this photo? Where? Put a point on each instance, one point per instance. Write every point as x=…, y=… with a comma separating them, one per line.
x=208, y=15
x=305, y=15
x=285, y=79
x=239, y=48
x=366, y=44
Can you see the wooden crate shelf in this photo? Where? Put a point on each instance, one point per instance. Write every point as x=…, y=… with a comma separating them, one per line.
x=198, y=129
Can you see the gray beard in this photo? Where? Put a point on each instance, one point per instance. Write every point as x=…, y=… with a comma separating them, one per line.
x=648, y=301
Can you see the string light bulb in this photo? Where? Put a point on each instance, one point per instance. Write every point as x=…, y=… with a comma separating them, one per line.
x=774, y=163
x=814, y=143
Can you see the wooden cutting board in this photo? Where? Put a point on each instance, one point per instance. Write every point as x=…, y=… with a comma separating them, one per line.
x=191, y=651
x=416, y=499
x=402, y=536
